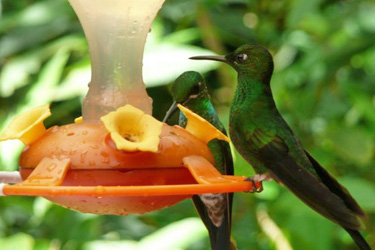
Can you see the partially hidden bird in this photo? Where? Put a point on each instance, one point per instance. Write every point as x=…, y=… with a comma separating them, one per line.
x=264, y=139
x=215, y=210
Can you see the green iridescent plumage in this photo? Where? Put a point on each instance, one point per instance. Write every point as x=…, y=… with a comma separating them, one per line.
x=190, y=90
x=265, y=140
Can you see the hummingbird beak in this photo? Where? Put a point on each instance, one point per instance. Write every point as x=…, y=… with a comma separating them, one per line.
x=170, y=111
x=212, y=58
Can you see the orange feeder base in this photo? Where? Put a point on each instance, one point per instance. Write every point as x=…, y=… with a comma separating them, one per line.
x=78, y=166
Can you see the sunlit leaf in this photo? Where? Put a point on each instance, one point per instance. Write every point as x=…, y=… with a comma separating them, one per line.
x=16, y=242
x=17, y=71
x=75, y=83
x=165, y=62
x=49, y=77
x=353, y=144
x=177, y=235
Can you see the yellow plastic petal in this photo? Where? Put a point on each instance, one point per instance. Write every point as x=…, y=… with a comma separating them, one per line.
x=28, y=126
x=78, y=120
x=200, y=127
x=133, y=130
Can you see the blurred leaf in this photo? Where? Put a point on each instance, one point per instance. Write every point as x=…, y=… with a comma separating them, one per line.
x=9, y=154
x=114, y=245
x=38, y=95
x=17, y=242
x=307, y=229
x=363, y=191
x=75, y=83
x=365, y=15
x=353, y=144
x=36, y=24
x=35, y=14
x=270, y=191
x=171, y=237
x=49, y=77
x=41, y=206
x=272, y=230
x=17, y=71
x=163, y=63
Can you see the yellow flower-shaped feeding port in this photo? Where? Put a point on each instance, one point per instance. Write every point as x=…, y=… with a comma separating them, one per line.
x=133, y=130
x=78, y=120
x=201, y=128
x=27, y=127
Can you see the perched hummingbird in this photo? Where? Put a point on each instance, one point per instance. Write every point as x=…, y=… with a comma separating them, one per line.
x=190, y=90
x=265, y=140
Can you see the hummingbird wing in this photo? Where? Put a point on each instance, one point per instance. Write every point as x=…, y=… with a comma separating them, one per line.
x=222, y=155
x=321, y=192
x=335, y=186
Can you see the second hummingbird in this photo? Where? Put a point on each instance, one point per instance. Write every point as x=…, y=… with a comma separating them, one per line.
x=190, y=90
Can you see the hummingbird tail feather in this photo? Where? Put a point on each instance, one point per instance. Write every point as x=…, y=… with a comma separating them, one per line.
x=358, y=239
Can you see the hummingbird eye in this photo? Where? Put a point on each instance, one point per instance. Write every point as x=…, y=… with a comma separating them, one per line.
x=196, y=89
x=240, y=58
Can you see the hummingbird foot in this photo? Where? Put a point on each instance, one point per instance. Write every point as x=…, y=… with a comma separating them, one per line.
x=257, y=181
x=257, y=186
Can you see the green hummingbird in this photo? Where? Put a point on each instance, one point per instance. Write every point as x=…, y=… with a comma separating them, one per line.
x=265, y=140
x=215, y=210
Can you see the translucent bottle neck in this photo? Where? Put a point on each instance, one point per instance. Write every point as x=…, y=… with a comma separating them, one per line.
x=116, y=31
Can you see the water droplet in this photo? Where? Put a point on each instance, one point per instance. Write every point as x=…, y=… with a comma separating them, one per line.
x=104, y=154
x=83, y=156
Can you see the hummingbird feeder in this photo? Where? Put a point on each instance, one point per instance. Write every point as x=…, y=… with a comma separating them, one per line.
x=116, y=158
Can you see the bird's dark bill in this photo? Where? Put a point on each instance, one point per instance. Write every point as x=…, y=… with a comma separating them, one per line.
x=170, y=111
x=212, y=58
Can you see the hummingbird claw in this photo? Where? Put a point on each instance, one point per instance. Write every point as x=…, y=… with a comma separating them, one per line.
x=257, y=185
x=258, y=179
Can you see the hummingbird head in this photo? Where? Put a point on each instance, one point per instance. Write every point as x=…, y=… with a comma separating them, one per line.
x=248, y=60
x=189, y=85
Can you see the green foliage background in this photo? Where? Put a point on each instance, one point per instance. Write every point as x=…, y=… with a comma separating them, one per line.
x=323, y=84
